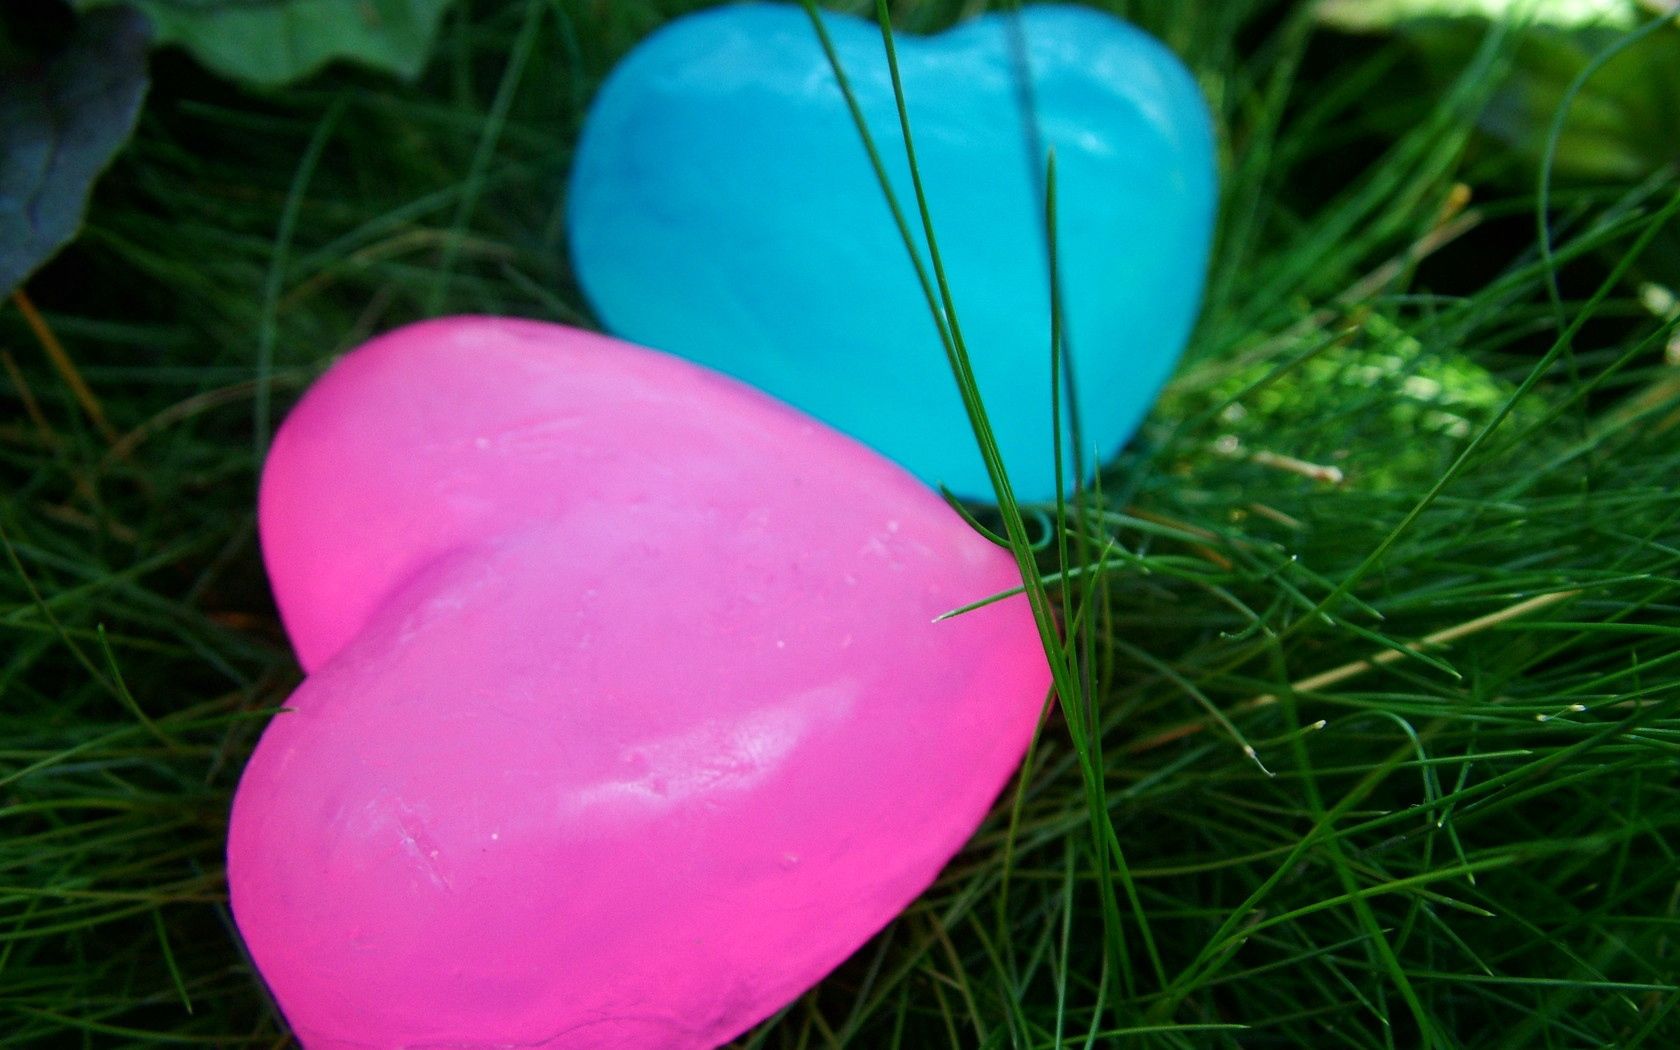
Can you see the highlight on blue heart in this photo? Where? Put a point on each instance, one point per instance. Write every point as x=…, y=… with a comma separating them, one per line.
x=722, y=207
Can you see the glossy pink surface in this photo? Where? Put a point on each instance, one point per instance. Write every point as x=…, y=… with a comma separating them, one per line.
x=626, y=718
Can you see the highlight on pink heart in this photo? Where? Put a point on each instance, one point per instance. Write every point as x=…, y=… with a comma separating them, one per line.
x=627, y=715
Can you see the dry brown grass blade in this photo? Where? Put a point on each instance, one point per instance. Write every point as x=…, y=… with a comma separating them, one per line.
x=65, y=366
x=1353, y=669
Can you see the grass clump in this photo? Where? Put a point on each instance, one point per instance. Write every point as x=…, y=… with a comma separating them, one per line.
x=1373, y=649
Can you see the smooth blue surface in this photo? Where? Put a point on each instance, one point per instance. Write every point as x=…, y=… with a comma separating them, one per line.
x=722, y=208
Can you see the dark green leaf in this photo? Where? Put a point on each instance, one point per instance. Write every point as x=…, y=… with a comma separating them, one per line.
x=60, y=125
x=271, y=42
x=1623, y=124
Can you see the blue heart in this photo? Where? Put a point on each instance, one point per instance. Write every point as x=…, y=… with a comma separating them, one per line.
x=722, y=208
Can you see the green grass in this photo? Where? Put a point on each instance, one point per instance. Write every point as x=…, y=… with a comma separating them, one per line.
x=1372, y=717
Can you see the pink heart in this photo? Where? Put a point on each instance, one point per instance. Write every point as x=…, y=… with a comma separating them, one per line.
x=626, y=719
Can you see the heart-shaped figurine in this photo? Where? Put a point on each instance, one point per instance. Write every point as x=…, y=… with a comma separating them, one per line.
x=722, y=207
x=626, y=718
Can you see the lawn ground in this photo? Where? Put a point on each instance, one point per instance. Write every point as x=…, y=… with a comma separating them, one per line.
x=1380, y=722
